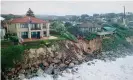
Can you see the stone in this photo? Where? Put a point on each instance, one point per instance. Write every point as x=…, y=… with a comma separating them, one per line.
x=45, y=64
x=67, y=71
x=92, y=63
x=89, y=64
x=40, y=71
x=76, y=62
x=41, y=51
x=67, y=62
x=51, y=54
x=56, y=71
x=71, y=65
x=55, y=76
x=56, y=61
x=62, y=65
x=49, y=70
x=21, y=76
x=49, y=50
x=74, y=70
x=59, y=55
x=32, y=53
x=79, y=57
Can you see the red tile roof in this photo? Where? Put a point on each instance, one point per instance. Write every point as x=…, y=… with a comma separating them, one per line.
x=27, y=19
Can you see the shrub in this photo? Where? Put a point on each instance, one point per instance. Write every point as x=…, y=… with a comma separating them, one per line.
x=91, y=36
x=119, y=38
x=69, y=36
x=14, y=39
x=11, y=55
x=7, y=35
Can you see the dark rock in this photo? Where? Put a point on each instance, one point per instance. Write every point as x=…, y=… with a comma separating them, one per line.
x=76, y=62
x=92, y=63
x=89, y=64
x=56, y=71
x=49, y=70
x=55, y=76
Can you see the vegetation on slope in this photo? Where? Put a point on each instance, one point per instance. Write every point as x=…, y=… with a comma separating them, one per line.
x=11, y=55
x=119, y=38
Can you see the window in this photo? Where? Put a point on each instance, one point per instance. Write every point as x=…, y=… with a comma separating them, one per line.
x=23, y=25
x=24, y=34
x=44, y=25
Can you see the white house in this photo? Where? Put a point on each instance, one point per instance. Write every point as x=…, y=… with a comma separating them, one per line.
x=2, y=30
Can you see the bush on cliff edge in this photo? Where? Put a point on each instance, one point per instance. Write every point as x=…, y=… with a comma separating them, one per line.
x=11, y=55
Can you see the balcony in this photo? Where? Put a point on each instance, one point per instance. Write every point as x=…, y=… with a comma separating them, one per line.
x=35, y=28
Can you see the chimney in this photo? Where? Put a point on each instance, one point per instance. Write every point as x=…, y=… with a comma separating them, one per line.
x=124, y=17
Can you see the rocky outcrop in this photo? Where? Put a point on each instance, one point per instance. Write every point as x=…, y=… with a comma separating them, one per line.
x=56, y=58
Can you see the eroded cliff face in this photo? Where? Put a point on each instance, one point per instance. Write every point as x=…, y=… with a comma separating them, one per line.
x=57, y=57
x=63, y=52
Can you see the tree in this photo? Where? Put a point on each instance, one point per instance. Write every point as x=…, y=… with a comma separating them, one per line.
x=96, y=15
x=58, y=27
x=30, y=13
x=84, y=17
x=74, y=18
x=68, y=25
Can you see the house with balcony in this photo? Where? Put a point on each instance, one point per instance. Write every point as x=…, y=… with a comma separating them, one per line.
x=29, y=27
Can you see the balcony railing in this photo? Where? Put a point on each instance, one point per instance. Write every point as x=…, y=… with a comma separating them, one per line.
x=35, y=28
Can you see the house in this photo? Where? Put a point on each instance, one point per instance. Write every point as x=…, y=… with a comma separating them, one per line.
x=107, y=30
x=2, y=29
x=89, y=27
x=29, y=27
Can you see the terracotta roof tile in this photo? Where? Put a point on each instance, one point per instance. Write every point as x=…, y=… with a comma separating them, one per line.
x=27, y=19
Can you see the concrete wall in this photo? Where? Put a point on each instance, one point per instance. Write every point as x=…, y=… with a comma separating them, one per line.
x=12, y=28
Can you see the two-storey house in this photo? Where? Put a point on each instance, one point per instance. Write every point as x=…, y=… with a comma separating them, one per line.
x=29, y=27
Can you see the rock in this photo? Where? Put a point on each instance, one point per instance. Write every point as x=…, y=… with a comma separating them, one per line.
x=62, y=65
x=32, y=53
x=49, y=70
x=76, y=62
x=21, y=76
x=79, y=57
x=67, y=62
x=74, y=70
x=59, y=55
x=92, y=63
x=50, y=59
x=55, y=76
x=40, y=71
x=22, y=71
x=45, y=64
x=71, y=65
x=49, y=50
x=51, y=54
x=56, y=71
x=56, y=61
x=89, y=64
x=67, y=71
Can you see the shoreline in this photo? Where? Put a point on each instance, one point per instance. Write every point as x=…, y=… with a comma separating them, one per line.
x=108, y=70
x=104, y=57
x=56, y=68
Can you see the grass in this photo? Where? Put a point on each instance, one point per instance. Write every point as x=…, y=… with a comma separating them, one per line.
x=41, y=43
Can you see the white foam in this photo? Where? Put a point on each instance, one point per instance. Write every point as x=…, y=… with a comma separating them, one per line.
x=121, y=69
